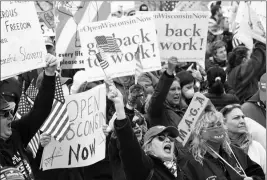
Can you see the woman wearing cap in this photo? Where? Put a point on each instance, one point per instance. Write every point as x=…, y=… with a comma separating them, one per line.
x=244, y=70
x=15, y=135
x=240, y=136
x=165, y=104
x=214, y=158
x=157, y=160
x=216, y=77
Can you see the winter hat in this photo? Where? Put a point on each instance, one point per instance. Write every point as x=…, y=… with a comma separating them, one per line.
x=185, y=78
x=78, y=79
x=10, y=89
x=214, y=73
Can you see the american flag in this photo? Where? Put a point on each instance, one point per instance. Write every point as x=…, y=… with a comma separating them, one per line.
x=108, y=44
x=139, y=66
x=102, y=59
x=57, y=123
x=32, y=92
x=25, y=105
x=168, y=5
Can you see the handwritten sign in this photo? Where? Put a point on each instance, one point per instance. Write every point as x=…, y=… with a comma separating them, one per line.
x=129, y=33
x=191, y=6
x=22, y=44
x=47, y=31
x=182, y=34
x=84, y=143
x=191, y=116
x=68, y=15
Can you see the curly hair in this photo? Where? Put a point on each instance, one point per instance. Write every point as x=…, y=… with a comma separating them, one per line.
x=198, y=145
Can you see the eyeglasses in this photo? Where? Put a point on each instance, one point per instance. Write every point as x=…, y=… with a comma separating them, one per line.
x=139, y=121
x=229, y=108
x=6, y=114
x=162, y=137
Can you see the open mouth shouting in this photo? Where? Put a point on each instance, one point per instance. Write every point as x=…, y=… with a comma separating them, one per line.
x=167, y=148
x=219, y=137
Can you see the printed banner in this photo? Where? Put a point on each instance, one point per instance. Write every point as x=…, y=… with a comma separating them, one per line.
x=191, y=116
x=22, y=44
x=128, y=33
x=85, y=141
x=68, y=15
x=182, y=34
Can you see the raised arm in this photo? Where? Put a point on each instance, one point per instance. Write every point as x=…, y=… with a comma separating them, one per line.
x=156, y=103
x=135, y=162
x=29, y=124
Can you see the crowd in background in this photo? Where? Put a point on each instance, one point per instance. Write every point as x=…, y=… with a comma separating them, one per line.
x=228, y=142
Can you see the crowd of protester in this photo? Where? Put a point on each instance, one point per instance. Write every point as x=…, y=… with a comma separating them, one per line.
x=227, y=142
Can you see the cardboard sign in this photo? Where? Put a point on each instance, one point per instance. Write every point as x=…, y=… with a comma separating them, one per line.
x=182, y=34
x=128, y=33
x=68, y=15
x=85, y=141
x=22, y=45
x=46, y=31
x=191, y=116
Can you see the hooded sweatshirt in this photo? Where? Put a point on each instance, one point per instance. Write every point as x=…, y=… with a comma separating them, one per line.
x=12, y=151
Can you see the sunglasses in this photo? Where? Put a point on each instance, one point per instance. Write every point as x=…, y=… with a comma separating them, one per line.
x=139, y=121
x=6, y=114
x=163, y=137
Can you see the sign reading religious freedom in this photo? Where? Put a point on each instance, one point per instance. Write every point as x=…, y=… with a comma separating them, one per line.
x=119, y=39
x=191, y=116
x=22, y=44
x=182, y=34
x=85, y=141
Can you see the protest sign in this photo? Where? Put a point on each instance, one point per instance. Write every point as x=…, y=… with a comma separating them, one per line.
x=84, y=143
x=248, y=22
x=68, y=15
x=128, y=33
x=182, y=34
x=46, y=31
x=191, y=116
x=22, y=44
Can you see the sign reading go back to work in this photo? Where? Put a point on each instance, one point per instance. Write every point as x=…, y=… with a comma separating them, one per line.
x=85, y=141
x=22, y=45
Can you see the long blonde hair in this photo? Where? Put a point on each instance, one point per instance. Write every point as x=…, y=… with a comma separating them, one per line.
x=198, y=145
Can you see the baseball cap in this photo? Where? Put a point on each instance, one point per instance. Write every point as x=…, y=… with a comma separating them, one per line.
x=5, y=105
x=263, y=81
x=154, y=131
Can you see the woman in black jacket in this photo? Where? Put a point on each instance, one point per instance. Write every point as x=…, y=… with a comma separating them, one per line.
x=15, y=135
x=216, y=77
x=157, y=160
x=214, y=157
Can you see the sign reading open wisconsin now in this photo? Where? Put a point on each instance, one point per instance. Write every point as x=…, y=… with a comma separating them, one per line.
x=22, y=44
x=128, y=33
x=85, y=142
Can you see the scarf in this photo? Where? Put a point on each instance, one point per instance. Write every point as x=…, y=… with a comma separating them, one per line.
x=171, y=165
x=243, y=141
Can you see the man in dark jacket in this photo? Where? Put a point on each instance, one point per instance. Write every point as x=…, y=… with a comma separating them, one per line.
x=13, y=140
x=255, y=107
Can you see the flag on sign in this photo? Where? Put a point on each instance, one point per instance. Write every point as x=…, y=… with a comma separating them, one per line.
x=57, y=123
x=32, y=92
x=108, y=44
x=168, y=5
x=102, y=59
x=139, y=66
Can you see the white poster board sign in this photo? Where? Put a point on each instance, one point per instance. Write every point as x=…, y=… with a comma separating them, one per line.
x=85, y=141
x=129, y=33
x=68, y=15
x=191, y=116
x=182, y=34
x=22, y=44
